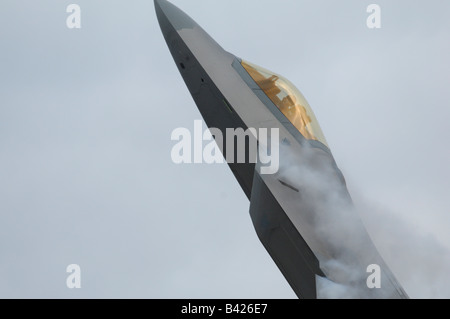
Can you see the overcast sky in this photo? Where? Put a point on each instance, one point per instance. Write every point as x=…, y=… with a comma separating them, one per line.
x=86, y=116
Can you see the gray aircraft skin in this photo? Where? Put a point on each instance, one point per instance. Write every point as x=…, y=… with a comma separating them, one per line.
x=303, y=214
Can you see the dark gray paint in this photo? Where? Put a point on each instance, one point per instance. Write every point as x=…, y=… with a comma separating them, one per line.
x=273, y=212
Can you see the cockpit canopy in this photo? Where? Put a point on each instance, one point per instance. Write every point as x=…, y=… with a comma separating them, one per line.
x=288, y=99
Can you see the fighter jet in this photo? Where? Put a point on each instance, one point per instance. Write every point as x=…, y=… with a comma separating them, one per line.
x=302, y=213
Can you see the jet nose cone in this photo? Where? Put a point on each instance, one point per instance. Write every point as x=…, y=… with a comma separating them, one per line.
x=170, y=17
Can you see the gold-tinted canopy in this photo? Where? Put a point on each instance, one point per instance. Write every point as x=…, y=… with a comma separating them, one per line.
x=288, y=99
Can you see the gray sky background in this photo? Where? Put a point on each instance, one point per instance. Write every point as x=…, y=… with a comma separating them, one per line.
x=85, y=121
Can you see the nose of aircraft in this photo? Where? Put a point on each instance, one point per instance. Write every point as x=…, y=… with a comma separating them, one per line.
x=170, y=17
